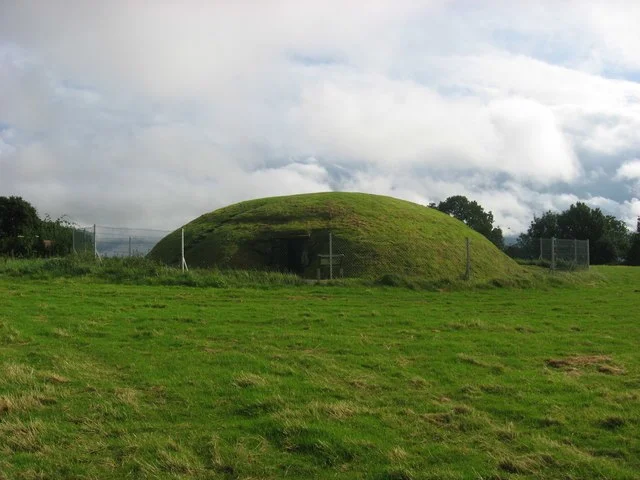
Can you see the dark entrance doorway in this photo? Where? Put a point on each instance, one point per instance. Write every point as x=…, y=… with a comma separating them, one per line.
x=290, y=253
x=297, y=256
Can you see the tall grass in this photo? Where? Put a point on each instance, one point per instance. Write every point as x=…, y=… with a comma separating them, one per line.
x=146, y=271
x=140, y=271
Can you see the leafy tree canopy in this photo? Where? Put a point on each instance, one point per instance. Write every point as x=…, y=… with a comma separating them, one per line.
x=609, y=239
x=471, y=213
x=17, y=217
x=22, y=232
x=633, y=256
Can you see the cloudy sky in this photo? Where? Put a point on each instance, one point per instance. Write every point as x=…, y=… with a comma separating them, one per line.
x=149, y=113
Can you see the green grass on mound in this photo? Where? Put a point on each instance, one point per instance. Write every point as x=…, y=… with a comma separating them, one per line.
x=109, y=381
x=379, y=235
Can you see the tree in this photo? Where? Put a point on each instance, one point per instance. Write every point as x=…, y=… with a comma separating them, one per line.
x=608, y=237
x=633, y=254
x=528, y=246
x=17, y=217
x=471, y=213
x=22, y=232
x=545, y=226
x=59, y=232
x=618, y=239
x=582, y=222
x=19, y=224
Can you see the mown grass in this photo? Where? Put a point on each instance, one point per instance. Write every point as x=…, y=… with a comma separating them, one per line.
x=105, y=380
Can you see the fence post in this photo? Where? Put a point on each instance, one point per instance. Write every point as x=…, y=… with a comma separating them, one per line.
x=95, y=243
x=330, y=256
x=588, y=255
x=540, y=257
x=553, y=253
x=467, y=273
x=183, y=262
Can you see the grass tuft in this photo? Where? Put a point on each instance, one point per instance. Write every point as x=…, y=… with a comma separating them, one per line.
x=19, y=436
x=519, y=465
x=574, y=364
x=397, y=474
x=336, y=411
x=56, y=378
x=14, y=373
x=247, y=380
x=9, y=334
x=613, y=422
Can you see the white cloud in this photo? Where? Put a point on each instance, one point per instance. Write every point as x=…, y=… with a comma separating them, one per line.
x=629, y=170
x=615, y=26
x=533, y=146
x=392, y=123
x=198, y=48
x=121, y=110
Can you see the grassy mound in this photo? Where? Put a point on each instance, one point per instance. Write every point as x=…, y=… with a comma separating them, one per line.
x=377, y=235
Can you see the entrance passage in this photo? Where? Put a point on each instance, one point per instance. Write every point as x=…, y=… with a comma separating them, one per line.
x=290, y=254
x=297, y=256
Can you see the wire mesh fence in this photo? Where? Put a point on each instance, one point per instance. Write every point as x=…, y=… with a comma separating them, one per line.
x=562, y=253
x=116, y=242
x=319, y=254
x=338, y=257
x=315, y=255
x=330, y=256
x=83, y=241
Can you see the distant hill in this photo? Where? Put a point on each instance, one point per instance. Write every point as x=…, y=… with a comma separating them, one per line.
x=377, y=235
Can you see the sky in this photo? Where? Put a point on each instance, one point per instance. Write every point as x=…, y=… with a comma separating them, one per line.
x=149, y=113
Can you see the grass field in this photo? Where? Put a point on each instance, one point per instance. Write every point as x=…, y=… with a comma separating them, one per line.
x=105, y=380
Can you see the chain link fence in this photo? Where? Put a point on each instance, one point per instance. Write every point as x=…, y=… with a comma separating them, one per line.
x=566, y=254
x=324, y=255
x=83, y=240
x=330, y=256
x=105, y=241
x=317, y=255
x=339, y=258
